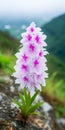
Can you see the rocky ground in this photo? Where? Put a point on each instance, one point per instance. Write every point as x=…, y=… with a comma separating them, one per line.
x=10, y=117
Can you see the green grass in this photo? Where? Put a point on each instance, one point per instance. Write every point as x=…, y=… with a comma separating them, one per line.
x=54, y=93
x=7, y=63
x=55, y=88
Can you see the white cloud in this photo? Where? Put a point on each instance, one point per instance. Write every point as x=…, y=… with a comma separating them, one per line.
x=7, y=27
x=31, y=7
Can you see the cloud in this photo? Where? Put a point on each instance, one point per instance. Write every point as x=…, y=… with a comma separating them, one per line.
x=31, y=7
x=7, y=27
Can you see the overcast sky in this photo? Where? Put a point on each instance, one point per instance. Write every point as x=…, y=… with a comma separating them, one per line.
x=32, y=8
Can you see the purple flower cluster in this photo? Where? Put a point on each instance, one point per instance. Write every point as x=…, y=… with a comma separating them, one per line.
x=30, y=68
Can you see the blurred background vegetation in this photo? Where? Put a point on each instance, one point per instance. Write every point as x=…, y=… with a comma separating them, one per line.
x=10, y=35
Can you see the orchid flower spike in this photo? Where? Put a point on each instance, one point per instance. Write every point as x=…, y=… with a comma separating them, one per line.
x=30, y=68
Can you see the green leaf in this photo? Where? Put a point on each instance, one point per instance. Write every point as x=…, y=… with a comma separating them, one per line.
x=35, y=113
x=22, y=98
x=26, y=105
x=26, y=95
x=34, y=107
x=34, y=96
x=18, y=104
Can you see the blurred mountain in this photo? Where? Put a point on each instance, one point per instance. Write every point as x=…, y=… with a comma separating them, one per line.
x=55, y=31
x=15, y=26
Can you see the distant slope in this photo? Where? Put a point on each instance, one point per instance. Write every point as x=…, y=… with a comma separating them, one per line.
x=55, y=31
x=8, y=43
x=56, y=67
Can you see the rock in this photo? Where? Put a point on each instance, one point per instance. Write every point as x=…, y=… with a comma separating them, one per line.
x=9, y=112
x=9, y=119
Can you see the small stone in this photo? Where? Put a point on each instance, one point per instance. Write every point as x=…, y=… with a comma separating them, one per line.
x=0, y=97
x=0, y=108
x=12, y=89
x=61, y=120
x=13, y=105
x=14, y=124
x=47, y=107
x=7, y=79
x=6, y=107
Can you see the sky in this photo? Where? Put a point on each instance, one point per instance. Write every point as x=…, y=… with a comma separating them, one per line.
x=32, y=8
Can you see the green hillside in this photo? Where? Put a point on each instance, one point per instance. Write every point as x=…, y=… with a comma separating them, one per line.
x=8, y=43
x=55, y=31
x=8, y=47
x=56, y=67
